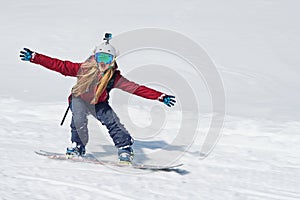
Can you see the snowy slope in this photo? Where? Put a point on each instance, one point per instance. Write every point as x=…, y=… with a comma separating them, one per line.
x=254, y=45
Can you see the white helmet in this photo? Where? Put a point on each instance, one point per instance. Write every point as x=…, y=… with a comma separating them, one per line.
x=106, y=48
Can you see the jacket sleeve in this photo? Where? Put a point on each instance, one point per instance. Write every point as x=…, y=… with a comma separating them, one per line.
x=66, y=68
x=134, y=88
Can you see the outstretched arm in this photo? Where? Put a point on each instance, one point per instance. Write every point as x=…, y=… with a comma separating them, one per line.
x=142, y=91
x=66, y=68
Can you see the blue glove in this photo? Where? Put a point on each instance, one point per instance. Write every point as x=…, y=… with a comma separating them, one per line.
x=26, y=55
x=168, y=100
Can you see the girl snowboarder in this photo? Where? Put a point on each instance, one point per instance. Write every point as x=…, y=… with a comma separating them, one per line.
x=95, y=78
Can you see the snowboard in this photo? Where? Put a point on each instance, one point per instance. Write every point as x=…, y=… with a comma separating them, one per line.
x=89, y=158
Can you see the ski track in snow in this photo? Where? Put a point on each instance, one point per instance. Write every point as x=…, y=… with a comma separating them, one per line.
x=79, y=186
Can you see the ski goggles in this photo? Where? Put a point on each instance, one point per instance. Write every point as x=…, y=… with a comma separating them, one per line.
x=104, y=57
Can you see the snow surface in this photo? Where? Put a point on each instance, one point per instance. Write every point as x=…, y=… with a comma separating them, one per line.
x=254, y=45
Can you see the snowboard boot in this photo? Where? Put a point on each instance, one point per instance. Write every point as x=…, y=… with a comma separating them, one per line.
x=125, y=155
x=78, y=150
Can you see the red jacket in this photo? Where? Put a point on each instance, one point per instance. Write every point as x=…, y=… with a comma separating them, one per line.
x=68, y=68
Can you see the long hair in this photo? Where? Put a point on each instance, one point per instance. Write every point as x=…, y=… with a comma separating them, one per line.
x=90, y=76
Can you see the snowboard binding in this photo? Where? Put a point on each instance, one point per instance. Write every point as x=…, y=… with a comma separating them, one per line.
x=125, y=155
x=78, y=151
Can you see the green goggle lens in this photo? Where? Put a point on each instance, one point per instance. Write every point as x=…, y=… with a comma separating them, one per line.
x=103, y=57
